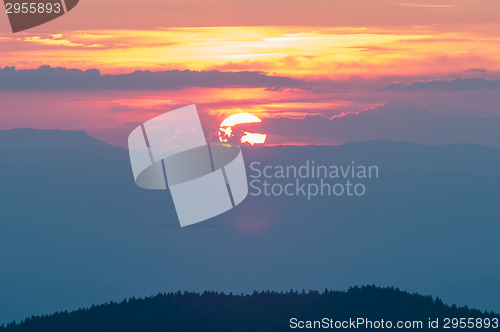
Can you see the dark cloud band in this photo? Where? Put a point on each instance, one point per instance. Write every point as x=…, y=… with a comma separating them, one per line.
x=47, y=78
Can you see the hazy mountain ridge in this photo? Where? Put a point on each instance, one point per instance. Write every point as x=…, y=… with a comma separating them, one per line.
x=75, y=230
x=47, y=139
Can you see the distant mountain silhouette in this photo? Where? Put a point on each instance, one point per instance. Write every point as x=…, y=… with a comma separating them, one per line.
x=261, y=311
x=33, y=138
x=75, y=230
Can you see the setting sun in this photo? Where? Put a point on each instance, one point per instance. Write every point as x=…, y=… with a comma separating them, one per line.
x=227, y=132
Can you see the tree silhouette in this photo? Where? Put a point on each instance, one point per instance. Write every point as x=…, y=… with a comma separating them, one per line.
x=260, y=311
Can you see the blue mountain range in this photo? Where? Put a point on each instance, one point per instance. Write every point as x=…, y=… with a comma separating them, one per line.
x=75, y=230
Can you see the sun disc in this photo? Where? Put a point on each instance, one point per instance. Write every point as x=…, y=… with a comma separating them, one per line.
x=227, y=133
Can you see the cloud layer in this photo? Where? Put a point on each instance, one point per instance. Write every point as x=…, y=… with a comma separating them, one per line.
x=47, y=78
x=459, y=84
x=395, y=121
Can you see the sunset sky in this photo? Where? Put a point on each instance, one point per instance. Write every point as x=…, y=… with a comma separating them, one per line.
x=279, y=60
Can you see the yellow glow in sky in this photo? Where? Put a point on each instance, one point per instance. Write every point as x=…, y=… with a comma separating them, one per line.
x=311, y=52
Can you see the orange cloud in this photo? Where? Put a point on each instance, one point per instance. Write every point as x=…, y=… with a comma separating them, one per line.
x=56, y=41
x=307, y=52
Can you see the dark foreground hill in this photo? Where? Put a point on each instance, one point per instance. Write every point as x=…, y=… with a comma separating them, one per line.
x=265, y=311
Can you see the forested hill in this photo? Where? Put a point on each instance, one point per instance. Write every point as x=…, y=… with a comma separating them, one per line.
x=261, y=311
